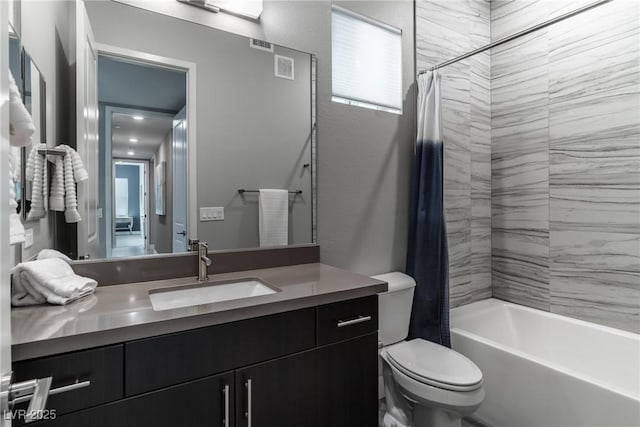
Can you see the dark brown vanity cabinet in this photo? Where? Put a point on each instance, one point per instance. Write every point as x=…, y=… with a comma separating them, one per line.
x=272, y=371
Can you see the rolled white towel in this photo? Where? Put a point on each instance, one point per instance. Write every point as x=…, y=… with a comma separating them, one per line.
x=49, y=280
x=21, y=126
x=71, y=214
x=56, y=198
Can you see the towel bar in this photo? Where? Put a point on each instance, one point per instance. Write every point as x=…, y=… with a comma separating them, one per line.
x=242, y=191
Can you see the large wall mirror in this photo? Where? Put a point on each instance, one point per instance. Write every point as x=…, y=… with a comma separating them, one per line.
x=179, y=127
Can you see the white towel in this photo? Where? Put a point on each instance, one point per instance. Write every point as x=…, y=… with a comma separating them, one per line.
x=21, y=126
x=38, y=183
x=48, y=280
x=274, y=217
x=79, y=172
x=52, y=253
x=71, y=214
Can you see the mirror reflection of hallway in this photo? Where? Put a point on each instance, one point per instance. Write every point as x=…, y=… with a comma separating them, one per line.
x=139, y=103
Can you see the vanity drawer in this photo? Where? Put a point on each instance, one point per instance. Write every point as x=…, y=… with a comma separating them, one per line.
x=103, y=367
x=347, y=319
x=158, y=362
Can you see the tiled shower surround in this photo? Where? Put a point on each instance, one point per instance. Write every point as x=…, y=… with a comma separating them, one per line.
x=564, y=168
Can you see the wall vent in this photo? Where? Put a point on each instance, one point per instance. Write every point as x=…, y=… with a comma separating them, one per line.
x=283, y=67
x=261, y=44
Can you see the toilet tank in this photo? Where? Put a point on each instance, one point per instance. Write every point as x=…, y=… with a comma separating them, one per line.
x=394, y=307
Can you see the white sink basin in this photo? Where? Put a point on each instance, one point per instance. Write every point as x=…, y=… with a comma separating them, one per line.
x=208, y=293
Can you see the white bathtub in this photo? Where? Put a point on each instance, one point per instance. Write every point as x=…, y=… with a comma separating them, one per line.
x=545, y=370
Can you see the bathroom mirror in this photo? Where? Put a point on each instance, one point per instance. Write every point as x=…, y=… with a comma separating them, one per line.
x=188, y=116
x=34, y=98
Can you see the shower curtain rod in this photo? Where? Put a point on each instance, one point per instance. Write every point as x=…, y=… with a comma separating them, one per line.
x=517, y=35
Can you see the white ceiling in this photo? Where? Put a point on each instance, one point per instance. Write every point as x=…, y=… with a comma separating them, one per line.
x=150, y=133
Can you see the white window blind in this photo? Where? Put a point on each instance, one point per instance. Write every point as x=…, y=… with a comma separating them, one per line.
x=366, y=61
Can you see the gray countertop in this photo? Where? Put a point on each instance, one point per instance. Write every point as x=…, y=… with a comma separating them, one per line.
x=121, y=313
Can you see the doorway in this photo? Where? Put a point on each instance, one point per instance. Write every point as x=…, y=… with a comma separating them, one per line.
x=140, y=102
x=130, y=207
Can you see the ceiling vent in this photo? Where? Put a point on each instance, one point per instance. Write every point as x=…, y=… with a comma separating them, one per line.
x=261, y=44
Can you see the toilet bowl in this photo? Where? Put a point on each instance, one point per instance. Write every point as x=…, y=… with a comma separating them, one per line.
x=424, y=384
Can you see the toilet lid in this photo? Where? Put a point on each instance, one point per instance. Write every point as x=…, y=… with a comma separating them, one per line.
x=429, y=362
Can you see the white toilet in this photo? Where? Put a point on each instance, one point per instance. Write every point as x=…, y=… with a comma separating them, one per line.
x=424, y=384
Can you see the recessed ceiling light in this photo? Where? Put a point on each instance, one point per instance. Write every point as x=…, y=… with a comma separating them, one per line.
x=133, y=139
x=131, y=153
x=138, y=118
x=118, y=127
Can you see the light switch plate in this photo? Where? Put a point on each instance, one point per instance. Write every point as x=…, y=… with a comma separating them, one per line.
x=28, y=238
x=212, y=214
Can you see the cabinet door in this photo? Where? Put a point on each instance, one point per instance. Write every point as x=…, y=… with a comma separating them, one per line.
x=278, y=393
x=331, y=386
x=348, y=386
x=200, y=403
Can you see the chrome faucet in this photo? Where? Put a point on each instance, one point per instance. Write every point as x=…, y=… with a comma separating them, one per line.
x=203, y=261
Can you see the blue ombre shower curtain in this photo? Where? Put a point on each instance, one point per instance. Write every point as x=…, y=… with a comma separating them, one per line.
x=427, y=255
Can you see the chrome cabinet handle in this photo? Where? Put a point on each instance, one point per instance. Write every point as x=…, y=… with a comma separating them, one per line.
x=225, y=391
x=57, y=390
x=358, y=319
x=248, y=413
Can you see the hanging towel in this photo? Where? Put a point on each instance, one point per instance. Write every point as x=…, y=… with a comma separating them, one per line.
x=427, y=252
x=71, y=214
x=56, y=197
x=48, y=280
x=79, y=172
x=274, y=217
x=38, y=183
x=21, y=126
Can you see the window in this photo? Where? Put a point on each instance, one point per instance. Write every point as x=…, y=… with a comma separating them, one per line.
x=366, y=62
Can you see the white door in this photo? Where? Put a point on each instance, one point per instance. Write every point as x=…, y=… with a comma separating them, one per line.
x=87, y=132
x=179, y=187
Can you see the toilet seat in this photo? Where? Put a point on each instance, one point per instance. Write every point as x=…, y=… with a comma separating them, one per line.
x=434, y=365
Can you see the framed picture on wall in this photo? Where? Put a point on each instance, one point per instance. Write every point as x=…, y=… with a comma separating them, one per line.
x=161, y=187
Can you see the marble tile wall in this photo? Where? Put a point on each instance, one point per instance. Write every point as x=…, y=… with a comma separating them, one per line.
x=443, y=30
x=565, y=159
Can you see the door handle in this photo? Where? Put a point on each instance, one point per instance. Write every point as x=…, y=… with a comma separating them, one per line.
x=359, y=319
x=182, y=233
x=36, y=391
x=248, y=413
x=225, y=392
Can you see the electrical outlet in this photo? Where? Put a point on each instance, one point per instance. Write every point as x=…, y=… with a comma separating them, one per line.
x=28, y=238
x=212, y=214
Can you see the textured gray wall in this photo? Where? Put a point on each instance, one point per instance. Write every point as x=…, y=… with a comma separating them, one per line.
x=444, y=30
x=364, y=156
x=566, y=160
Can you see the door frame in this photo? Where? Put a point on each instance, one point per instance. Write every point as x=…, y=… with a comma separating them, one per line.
x=145, y=167
x=5, y=210
x=109, y=169
x=189, y=68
